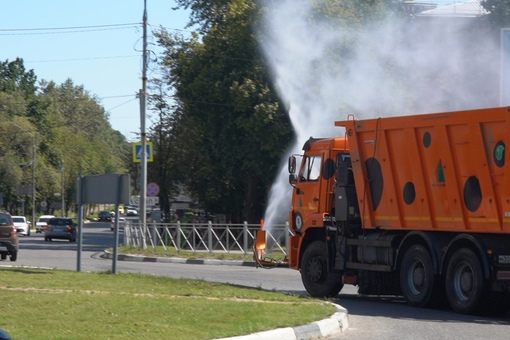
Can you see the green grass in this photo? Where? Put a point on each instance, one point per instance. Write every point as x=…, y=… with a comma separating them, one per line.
x=57, y=304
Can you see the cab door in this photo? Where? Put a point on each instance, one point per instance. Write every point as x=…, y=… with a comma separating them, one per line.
x=306, y=197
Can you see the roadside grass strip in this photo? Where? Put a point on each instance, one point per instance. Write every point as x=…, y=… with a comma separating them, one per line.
x=57, y=304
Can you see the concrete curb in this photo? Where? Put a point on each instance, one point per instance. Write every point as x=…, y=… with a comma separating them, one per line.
x=335, y=324
x=139, y=258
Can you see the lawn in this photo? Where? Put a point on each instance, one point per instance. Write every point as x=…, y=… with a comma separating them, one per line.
x=57, y=304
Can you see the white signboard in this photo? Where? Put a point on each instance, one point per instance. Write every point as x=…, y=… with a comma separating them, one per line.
x=149, y=201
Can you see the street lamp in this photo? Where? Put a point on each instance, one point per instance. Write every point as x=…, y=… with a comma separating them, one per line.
x=34, y=156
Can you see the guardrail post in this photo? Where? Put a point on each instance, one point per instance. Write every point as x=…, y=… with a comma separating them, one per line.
x=209, y=236
x=154, y=238
x=178, y=237
x=245, y=238
x=287, y=238
x=193, y=241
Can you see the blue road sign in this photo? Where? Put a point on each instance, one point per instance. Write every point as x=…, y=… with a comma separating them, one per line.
x=137, y=152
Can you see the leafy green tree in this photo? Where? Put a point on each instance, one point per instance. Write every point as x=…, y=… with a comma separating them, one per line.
x=231, y=127
x=67, y=126
x=15, y=78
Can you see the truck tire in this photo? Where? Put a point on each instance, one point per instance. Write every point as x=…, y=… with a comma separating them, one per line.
x=465, y=284
x=417, y=278
x=14, y=256
x=318, y=280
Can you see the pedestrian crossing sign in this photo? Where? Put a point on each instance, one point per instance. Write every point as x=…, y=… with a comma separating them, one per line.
x=137, y=152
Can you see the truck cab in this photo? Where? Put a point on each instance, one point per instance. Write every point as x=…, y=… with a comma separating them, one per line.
x=315, y=187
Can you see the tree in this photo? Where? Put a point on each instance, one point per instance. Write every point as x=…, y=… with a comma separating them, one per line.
x=15, y=78
x=231, y=128
x=499, y=12
x=67, y=126
x=229, y=125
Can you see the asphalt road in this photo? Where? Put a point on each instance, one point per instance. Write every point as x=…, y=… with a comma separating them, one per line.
x=369, y=317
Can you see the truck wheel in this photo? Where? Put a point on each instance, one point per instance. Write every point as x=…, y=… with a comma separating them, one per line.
x=417, y=279
x=318, y=280
x=465, y=284
x=3, y=256
x=14, y=256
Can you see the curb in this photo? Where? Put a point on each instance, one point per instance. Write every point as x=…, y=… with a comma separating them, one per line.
x=335, y=324
x=140, y=258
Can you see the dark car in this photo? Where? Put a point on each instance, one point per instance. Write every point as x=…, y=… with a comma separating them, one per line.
x=60, y=228
x=9, y=242
x=104, y=216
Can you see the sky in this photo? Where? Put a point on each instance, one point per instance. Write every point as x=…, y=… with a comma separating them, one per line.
x=105, y=60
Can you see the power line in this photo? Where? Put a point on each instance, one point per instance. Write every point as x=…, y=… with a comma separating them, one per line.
x=119, y=96
x=82, y=59
x=113, y=108
x=67, y=28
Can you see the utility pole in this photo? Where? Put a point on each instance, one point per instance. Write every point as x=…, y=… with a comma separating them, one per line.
x=143, y=104
x=62, y=189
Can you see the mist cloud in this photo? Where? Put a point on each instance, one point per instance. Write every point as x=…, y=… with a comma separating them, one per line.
x=324, y=71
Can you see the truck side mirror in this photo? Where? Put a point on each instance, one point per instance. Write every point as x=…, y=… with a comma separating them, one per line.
x=292, y=165
x=292, y=179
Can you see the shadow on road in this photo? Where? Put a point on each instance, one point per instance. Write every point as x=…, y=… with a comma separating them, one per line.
x=395, y=307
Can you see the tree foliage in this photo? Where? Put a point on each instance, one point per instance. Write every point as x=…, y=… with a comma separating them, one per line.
x=225, y=130
x=66, y=126
x=228, y=125
x=499, y=12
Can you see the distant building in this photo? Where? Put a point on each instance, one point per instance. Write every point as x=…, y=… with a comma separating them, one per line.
x=467, y=9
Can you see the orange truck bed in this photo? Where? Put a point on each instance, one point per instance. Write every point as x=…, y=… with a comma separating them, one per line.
x=441, y=171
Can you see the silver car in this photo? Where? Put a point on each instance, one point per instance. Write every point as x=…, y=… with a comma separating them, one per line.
x=122, y=223
x=60, y=228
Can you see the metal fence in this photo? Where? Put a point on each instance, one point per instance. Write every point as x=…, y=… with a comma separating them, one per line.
x=209, y=237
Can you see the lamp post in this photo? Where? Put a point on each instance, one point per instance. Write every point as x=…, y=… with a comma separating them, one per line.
x=34, y=156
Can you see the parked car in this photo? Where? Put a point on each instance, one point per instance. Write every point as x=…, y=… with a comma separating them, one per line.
x=131, y=211
x=9, y=242
x=42, y=222
x=22, y=225
x=122, y=223
x=104, y=216
x=60, y=228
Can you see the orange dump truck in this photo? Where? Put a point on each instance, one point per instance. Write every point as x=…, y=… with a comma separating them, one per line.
x=417, y=206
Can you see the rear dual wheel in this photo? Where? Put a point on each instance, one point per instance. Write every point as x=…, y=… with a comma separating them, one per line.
x=418, y=281
x=465, y=284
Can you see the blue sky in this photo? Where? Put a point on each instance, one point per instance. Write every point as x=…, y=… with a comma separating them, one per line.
x=106, y=61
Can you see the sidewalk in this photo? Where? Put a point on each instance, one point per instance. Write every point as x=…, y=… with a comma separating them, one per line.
x=335, y=324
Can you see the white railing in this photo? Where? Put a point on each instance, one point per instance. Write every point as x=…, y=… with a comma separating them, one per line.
x=208, y=237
